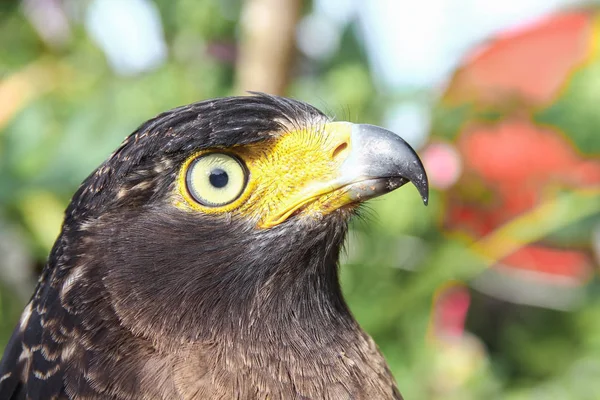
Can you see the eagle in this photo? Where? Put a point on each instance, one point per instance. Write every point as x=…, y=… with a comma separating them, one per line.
x=200, y=261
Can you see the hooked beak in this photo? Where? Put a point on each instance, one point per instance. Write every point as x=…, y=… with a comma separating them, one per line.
x=380, y=161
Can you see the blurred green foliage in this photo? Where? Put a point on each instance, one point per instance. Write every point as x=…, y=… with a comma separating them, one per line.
x=71, y=110
x=572, y=115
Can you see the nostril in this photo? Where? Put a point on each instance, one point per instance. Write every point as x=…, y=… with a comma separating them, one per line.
x=340, y=150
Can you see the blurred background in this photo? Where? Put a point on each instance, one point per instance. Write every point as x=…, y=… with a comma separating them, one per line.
x=491, y=291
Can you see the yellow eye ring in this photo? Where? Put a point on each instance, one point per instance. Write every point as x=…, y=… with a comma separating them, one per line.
x=216, y=179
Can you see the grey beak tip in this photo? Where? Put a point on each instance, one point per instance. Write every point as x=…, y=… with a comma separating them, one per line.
x=386, y=154
x=422, y=186
x=425, y=198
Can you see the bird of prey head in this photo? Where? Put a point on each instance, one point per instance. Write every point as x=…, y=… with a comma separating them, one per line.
x=200, y=261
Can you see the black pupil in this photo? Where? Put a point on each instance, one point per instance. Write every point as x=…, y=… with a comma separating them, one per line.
x=218, y=178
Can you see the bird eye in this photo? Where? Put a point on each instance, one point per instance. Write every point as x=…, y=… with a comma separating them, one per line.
x=216, y=179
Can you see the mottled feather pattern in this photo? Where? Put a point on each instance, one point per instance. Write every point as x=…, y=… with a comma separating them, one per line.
x=141, y=300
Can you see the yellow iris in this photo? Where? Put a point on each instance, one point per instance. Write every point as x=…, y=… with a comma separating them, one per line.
x=215, y=179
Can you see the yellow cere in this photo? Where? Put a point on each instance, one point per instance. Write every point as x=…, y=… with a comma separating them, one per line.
x=292, y=172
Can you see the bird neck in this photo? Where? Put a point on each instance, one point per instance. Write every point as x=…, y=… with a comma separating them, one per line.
x=299, y=292
x=304, y=294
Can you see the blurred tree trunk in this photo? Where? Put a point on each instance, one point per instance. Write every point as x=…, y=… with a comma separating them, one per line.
x=267, y=45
